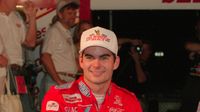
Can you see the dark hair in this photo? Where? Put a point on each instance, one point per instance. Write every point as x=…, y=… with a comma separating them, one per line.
x=54, y=20
x=68, y=6
x=22, y=14
x=148, y=42
x=77, y=34
x=72, y=5
x=125, y=48
x=110, y=51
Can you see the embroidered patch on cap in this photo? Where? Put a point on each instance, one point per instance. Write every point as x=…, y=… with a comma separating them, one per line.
x=98, y=36
x=52, y=105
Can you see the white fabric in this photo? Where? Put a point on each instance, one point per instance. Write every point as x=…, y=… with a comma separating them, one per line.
x=62, y=3
x=12, y=32
x=10, y=102
x=99, y=98
x=1, y=46
x=2, y=79
x=2, y=69
x=98, y=36
x=58, y=42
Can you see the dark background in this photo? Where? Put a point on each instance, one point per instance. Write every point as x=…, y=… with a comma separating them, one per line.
x=167, y=29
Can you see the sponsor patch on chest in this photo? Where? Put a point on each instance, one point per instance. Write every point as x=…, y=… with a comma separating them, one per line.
x=52, y=106
x=72, y=98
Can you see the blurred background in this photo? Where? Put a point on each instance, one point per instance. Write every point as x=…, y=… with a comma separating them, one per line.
x=168, y=30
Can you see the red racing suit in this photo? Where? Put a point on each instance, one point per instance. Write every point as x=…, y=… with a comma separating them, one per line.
x=77, y=97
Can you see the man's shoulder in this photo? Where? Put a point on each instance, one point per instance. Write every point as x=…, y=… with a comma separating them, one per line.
x=124, y=92
x=53, y=28
x=126, y=98
x=56, y=88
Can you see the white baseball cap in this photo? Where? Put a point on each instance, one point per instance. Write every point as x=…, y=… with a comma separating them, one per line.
x=98, y=36
x=62, y=3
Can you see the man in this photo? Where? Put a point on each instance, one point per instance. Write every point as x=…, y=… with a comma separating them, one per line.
x=14, y=35
x=3, y=65
x=94, y=91
x=191, y=92
x=58, y=52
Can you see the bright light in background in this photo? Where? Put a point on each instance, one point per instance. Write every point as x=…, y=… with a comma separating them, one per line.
x=159, y=54
x=19, y=6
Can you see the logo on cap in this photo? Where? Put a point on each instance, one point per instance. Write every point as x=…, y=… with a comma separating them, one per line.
x=98, y=36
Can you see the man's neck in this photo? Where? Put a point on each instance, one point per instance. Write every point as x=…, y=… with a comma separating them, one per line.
x=99, y=99
x=100, y=89
x=64, y=25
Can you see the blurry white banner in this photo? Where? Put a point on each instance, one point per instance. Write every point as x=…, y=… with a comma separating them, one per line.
x=144, y=4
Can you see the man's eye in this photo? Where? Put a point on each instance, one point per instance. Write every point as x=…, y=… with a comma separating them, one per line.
x=104, y=57
x=88, y=57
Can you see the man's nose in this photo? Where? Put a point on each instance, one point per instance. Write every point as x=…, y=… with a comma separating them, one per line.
x=96, y=63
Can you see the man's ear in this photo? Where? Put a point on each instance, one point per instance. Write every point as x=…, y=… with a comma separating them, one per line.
x=116, y=63
x=81, y=60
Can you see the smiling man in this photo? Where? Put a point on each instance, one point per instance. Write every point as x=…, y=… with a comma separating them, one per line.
x=94, y=91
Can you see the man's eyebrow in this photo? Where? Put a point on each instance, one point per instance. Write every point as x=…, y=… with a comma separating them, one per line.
x=99, y=56
x=87, y=54
x=105, y=55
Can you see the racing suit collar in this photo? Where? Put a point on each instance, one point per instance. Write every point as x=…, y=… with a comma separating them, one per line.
x=85, y=90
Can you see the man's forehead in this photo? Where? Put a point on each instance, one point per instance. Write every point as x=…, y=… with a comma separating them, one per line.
x=96, y=50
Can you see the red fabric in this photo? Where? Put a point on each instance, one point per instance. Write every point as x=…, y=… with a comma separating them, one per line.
x=85, y=12
x=78, y=97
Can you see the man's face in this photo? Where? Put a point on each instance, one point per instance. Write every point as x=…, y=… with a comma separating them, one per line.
x=98, y=64
x=146, y=53
x=68, y=16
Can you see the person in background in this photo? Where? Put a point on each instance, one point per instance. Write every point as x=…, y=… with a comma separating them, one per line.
x=144, y=74
x=14, y=34
x=58, y=50
x=132, y=59
x=79, y=28
x=141, y=54
x=3, y=65
x=94, y=90
x=134, y=41
x=191, y=89
x=134, y=56
x=147, y=51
